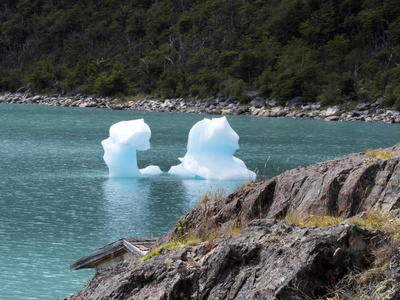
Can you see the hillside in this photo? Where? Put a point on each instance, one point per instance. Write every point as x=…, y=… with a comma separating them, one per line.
x=334, y=51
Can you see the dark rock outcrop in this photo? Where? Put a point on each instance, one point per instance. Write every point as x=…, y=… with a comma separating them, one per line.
x=342, y=187
x=272, y=259
x=295, y=102
x=258, y=102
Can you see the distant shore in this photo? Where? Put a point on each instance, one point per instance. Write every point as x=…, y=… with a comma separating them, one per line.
x=296, y=108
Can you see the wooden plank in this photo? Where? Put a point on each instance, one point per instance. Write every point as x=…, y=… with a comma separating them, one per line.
x=89, y=260
x=112, y=250
x=134, y=250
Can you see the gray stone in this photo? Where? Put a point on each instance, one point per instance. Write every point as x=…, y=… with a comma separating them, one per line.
x=363, y=106
x=316, y=106
x=209, y=102
x=295, y=102
x=333, y=111
x=227, y=102
x=332, y=118
x=271, y=102
x=258, y=102
x=278, y=111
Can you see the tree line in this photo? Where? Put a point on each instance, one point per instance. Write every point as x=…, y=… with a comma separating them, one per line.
x=334, y=51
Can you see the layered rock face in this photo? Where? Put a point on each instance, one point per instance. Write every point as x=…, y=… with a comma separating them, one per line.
x=344, y=187
x=270, y=258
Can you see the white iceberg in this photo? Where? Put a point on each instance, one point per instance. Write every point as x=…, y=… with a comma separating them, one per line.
x=120, y=148
x=150, y=170
x=210, y=151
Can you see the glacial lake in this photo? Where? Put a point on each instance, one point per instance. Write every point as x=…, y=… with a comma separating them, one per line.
x=57, y=203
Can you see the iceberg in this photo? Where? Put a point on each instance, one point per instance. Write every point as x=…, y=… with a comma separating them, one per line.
x=210, y=149
x=120, y=149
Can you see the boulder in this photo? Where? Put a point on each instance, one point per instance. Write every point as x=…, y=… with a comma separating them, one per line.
x=333, y=111
x=271, y=102
x=258, y=102
x=378, y=101
x=363, y=106
x=316, y=106
x=332, y=118
x=37, y=98
x=227, y=102
x=209, y=102
x=295, y=102
x=278, y=111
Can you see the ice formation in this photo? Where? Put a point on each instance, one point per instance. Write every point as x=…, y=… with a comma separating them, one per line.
x=120, y=148
x=210, y=151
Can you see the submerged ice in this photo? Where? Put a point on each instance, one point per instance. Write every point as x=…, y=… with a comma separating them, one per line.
x=120, y=148
x=210, y=150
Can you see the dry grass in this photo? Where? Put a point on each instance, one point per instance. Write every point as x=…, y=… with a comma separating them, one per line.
x=192, y=240
x=379, y=220
x=237, y=228
x=176, y=244
x=318, y=221
x=217, y=195
x=234, y=231
x=252, y=183
x=210, y=236
x=373, y=282
x=379, y=154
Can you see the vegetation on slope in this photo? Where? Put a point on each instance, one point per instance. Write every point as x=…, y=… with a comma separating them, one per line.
x=328, y=50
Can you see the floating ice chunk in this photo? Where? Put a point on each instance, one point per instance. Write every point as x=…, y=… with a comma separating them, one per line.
x=179, y=170
x=151, y=170
x=120, y=148
x=134, y=133
x=210, y=149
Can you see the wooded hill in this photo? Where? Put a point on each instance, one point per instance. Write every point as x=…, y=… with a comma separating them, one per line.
x=334, y=51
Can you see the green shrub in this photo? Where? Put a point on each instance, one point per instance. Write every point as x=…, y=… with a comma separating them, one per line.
x=108, y=84
x=43, y=75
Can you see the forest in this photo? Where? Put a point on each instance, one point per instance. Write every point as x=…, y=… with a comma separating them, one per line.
x=333, y=51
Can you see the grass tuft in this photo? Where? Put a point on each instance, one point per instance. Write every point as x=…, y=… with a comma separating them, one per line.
x=237, y=228
x=380, y=154
x=318, y=221
x=176, y=244
x=219, y=194
x=379, y=220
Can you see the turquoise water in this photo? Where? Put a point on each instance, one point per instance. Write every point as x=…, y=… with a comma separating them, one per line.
x=57, y=203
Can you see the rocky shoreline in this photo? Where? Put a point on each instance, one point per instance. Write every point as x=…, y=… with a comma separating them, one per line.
x=262, y=252
x=295, y=108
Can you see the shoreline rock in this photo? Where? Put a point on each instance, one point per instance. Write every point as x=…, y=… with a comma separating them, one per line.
x=258, y=107
x=271, y=258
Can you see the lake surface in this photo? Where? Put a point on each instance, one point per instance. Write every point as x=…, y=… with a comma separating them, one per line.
x=57, y=203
